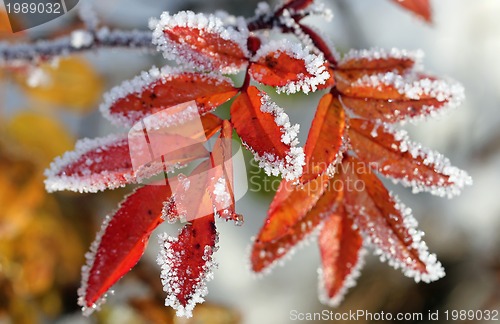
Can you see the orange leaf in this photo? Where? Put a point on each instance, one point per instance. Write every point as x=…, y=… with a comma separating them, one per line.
x=201, y=41
x=357, y=84
x=387, y=223
x=421, y=8
x=391, y=97
x=266, y=254
x=325, y=137
x=377, y=60
x=390, y=153
x=120, y=243
x=265, y=129
x=390, y=110
x=157, y=90
x=288, y=67
x=341, y=257
x=290, y=204
x=222, y=186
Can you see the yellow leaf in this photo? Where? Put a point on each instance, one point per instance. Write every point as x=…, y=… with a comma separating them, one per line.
x=40, y=136
x=21, y=191
x=72, y=83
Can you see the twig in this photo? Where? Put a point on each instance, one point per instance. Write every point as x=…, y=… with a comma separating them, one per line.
x=79, y=41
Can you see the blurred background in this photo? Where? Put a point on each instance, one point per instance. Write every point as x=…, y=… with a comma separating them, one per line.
x=43, y=237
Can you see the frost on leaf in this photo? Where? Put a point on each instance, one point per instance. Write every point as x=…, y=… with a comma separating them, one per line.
x=222, y=185
x=290, y=204
x=186, y=264
x=265, y=255
x=113, y=161
x=421, y=8
x=201, y=41
x=377, y=60
x=391, y=153
x=342, y=255
x=120, y=243
x=325, y=137
x=289, y=67
x=156, y=148
x=387, y=224
x=157, y=90
x=265, y=129
x=94, y=165
x=391, y=97
x=190, y=194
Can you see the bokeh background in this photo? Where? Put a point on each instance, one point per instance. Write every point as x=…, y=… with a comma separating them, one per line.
x=43, y=237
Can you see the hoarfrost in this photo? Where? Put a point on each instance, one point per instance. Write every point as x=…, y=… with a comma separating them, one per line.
x=349, y=282
x=183, y=54
x=172, y=282
x=438, y=162
x=383, y=54
x=141, y=82
x=86, y=181
x=221, y=193
x=81, y=38
x=314, y=64
x=433, y=268
x=291, y=167
x=415, y=87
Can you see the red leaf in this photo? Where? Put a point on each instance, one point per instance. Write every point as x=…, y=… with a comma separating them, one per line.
x=94, y=165
x=169, y=147
x=421, y=8
x=265, y=129
x=325, y=137
x=288, y=67
x=191, y=198
x=158, y=90
x=202, y=42
x=341, y=257
x=113, y=161
x=290, y=204
x=393, y=155
x=120, y=243
x=391, y=97
x=391, y=111
x=222, y=186
x=373, y=61
x=266, y=254
x=186, y=264
x=360, y=85
x=387, y=223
